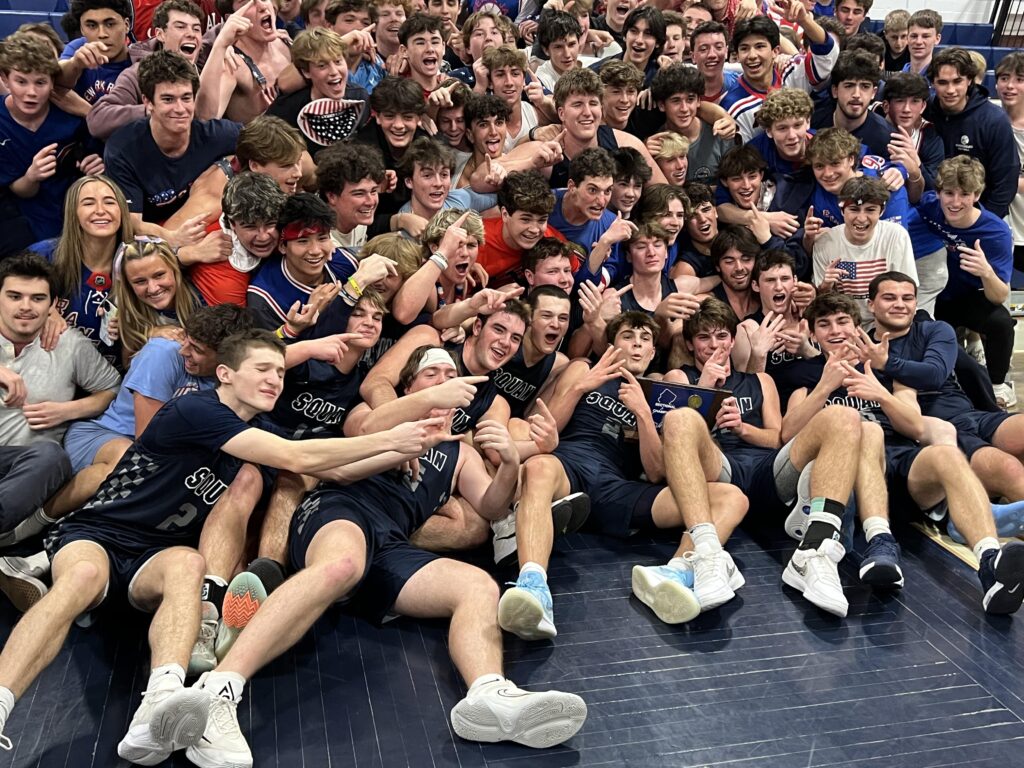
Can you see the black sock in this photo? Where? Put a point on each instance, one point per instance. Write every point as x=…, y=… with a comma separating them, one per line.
x=824, y=522
x=270, y=572
x=214, y=590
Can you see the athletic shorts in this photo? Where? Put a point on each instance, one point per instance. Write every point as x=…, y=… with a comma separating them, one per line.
x=767, y=478
x=900, y=454
x=975, y=429
x=617, y=506
x=83, y=441
x=390, y=559
x=125, y=561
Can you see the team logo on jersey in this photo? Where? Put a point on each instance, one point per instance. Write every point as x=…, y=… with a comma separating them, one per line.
x=964, y=145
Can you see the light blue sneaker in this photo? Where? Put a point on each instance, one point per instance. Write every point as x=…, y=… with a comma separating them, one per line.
x=667, y=591
x=1009, y=522
x=525, y=610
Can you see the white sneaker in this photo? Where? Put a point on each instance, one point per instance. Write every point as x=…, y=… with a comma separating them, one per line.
x=505, y=548
x=977, y=350
x=18, y=582
x=139, y=745
x=732, y=573
x=815, y=573
x=1005, y=394
x=222, y=744
x=499, y=711
x=711, y=577
x=204, y=657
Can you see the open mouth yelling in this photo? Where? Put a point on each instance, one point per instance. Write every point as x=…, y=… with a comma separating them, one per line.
x=188, y=49
x=497, y=354
x=462, y=268
x=429, y=62
x=779, y=300
x=267, y=23
x=551, y=339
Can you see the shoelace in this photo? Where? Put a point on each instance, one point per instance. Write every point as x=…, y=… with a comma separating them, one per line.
x=223, y=709
x=207, y=631
x=704, y=565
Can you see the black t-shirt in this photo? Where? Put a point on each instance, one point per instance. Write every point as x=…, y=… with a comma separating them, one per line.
x=157, y=185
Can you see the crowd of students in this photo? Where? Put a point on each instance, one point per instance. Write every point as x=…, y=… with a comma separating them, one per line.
x=383, y=281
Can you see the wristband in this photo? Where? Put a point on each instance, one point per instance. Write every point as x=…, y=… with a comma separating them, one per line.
x=355, y=286
x=348, y=298
x=439, y=260
x=531, y=134
x=284, y=334
x=914, y=181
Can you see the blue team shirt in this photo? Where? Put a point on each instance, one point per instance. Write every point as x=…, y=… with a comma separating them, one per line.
x=18, y=145
x=585, y=235
x=273, y=290
x=994, y=234
x=826, y=204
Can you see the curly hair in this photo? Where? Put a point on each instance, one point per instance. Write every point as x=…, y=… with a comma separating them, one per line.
x=783, y=104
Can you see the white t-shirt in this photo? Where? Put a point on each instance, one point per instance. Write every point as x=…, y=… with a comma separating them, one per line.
x=1017, y=205
x=529, y=120
x=888, y=249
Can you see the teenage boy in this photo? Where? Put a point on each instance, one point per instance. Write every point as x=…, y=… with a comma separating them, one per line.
x=550, y=262
x=904, y=102
x=139, y=544
x=308, y=260
x=507, y=68
x=894, y=34
x=558, y=34
x=644, y=39
x=39, y=144
x=756, y=44
x=349, y=177
x=971, y=125
x=422, y=46
x=854, y=85
x=352, y=542
x=1010, y=88
x=594, y=405
x=631, y=175
x=155, y=161
x=734, y=253
x=847, y=258
x=677, y=90
x=578, y=103
x=922, y=355
x=622, y=84
x=742, y=173
x=924, y=476
x=979, y=248
x=852, y=14
x=765, y=461
x=709, y=50
x=525, y=201
x=319, y=56
x=178, y=27
x=924, y=32
x=426, y=169
x=249, y=34
x=92, y=69
x=613, y=20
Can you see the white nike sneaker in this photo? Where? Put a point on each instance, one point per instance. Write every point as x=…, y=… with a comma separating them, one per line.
x=222, y=744
x=667, y=591
x=711, y=577
x=499, y=711
x=815, y=573
x=139, y=745
x=732, y=573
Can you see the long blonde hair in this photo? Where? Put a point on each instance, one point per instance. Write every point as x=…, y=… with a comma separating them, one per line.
x=67, y=256
x=136, y=318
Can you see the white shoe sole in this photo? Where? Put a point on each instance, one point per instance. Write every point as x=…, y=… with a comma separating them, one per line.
x=825, y=602
x=181, y=720
x=545, y=720
x=521, y=613
x=22, y=589
x=142, y=753
x=671, y=602
x=796, y=523
x=216, y=761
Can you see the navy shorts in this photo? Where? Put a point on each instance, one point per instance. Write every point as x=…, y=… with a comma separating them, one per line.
x=975, y=429
x=390, y=559
x=125, y=561
x=753, y=472
x=617, y=506
x=900, y=454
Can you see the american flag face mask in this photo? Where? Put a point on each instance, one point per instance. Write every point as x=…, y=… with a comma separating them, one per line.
x=327, y=121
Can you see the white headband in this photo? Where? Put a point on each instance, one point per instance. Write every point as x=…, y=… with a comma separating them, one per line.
x=435, y=356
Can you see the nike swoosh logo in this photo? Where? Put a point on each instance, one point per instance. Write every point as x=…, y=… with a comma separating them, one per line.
x=505, y=693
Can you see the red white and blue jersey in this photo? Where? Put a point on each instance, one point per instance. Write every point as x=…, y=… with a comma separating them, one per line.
x=273, y=289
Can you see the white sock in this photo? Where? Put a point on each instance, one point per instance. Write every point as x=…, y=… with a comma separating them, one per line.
x=227, y=685
x=874, y=526
x=485, y=680
x=534, y=568
x=989, y=542
x=166, y=676
x=705, y=537
x=6, y=705
x=680, y=564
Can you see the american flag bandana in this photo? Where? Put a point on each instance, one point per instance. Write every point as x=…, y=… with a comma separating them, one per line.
x=327, y=121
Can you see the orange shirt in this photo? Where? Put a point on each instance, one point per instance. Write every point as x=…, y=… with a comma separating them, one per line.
x=220, y=283
x=503, y=264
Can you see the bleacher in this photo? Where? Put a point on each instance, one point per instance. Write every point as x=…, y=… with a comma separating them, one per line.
x=14, y=13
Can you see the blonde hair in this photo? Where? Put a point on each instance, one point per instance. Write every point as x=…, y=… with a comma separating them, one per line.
x=672, y=146
x=982, y=65
x=137, y=318
x=67, y=256
x=407, y=254
x=444, y=219
x=316, y=44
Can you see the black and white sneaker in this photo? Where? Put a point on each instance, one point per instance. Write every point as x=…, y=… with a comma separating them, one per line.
x=1002, y=577
x=568, y=514
x=881, y=565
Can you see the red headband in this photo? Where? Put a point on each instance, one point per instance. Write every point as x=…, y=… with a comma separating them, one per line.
x=297, y=229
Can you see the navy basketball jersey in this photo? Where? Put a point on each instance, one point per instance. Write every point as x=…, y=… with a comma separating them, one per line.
x=165, y=485
x=519, y=383
x=790, y=372
x=465, y=419
x=598, y=423
x=630, y=304
x=746, y=388
x=316, y=399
